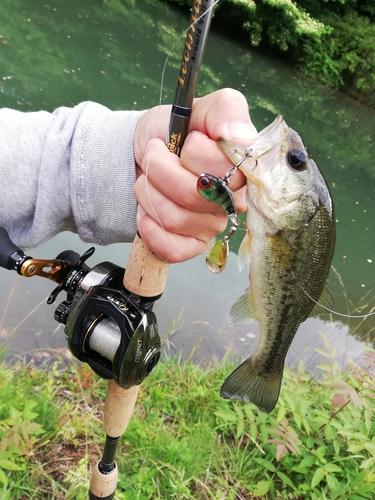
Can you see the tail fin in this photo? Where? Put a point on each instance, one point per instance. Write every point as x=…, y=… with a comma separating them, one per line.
x=247, y=384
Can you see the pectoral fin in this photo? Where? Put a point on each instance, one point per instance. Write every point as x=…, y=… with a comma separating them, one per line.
x=244, y=252
x=242, y=312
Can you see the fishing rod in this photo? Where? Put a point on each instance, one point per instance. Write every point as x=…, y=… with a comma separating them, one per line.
x=146, y=274
x=108, y=317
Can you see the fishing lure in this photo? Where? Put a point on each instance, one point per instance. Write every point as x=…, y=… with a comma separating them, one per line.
x=216, y=190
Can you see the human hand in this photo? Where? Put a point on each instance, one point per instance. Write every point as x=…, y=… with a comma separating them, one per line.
x=174, y=221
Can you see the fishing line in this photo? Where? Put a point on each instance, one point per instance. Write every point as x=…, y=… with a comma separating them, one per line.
x=332, y=312
x=371, y=313
x=169, y=54
x=359, y=316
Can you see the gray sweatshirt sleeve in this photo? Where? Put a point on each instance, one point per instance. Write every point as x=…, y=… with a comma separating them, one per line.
x=69, y=170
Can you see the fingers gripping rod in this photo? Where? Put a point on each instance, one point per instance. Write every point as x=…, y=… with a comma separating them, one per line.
x=146, y=274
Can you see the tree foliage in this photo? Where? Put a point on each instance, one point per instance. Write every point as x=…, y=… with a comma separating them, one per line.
x=333, y=41
x=345, y=57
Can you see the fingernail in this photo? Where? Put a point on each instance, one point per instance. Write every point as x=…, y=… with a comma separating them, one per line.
x=242, y=130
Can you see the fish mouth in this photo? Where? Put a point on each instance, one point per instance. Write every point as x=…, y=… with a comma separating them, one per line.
x=267, y=139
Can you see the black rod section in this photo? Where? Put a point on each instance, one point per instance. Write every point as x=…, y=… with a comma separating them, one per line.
x=188, y=76
x=107, y=463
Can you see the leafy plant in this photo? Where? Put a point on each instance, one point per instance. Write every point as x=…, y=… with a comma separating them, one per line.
x=184, y=441
x=321, y=441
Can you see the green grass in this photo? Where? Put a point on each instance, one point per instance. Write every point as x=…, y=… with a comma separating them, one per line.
x=184, y=441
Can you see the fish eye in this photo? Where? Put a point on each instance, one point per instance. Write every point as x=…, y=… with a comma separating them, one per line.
x=204, y=182
x=297, y=159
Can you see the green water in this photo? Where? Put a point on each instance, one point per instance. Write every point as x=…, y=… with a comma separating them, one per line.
x=113, y=52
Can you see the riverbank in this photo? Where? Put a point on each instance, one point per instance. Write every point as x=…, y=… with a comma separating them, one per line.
x=184, y=441
x=331, y=42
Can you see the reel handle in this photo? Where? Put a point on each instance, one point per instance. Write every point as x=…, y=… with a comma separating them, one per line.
x=10, y=254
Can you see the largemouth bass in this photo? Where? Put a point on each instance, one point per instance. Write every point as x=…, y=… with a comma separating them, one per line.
x=289, y=245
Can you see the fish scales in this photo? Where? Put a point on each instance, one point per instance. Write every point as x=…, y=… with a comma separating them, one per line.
x=282, y=302
x=289, y=244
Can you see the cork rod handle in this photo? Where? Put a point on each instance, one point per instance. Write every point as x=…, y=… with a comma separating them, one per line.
x=145, y=275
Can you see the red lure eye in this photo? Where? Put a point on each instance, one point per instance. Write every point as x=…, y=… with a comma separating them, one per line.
x=204, y=182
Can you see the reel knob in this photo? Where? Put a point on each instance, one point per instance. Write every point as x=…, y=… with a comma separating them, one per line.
x=62, y=311
x=11, y=257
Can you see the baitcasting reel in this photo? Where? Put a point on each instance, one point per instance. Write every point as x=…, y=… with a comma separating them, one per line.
x=115, y=332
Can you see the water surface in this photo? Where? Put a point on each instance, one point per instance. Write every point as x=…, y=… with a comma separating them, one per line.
x=112, y=52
